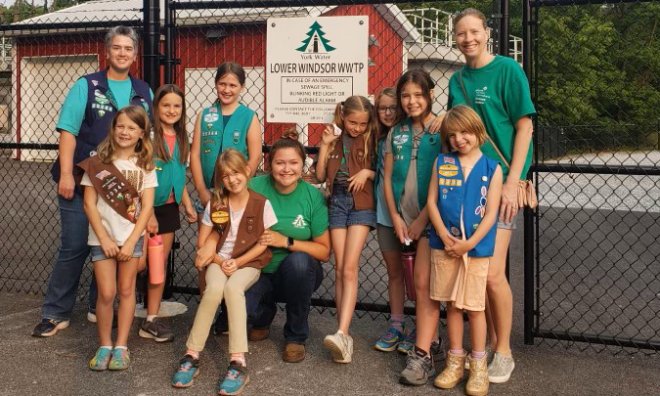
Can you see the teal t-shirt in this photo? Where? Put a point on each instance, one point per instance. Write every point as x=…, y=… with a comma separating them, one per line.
x=301, y=214
x=499, y=93
x=73, y=109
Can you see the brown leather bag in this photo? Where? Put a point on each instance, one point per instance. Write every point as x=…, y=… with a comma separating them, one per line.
x=526, y=191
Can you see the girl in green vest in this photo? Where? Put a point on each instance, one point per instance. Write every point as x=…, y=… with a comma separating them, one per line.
x=346, y=164
x=171, y=149
x=410, y=150
x=227, y=123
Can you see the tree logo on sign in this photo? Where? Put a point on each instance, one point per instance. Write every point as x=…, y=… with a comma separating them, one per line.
x=316, y=43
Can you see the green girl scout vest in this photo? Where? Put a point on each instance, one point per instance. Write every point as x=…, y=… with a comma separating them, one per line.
x=402, y=145
x=217, y=137
x=171, y=176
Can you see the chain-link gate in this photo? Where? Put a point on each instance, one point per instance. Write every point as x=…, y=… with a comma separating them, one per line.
x=402, y=35
x=595, y=278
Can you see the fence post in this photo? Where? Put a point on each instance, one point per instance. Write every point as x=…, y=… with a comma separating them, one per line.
x=504, y=28
x=528, y=216
x=151, y=39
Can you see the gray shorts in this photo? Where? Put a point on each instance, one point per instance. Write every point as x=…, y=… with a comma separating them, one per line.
x=387, y=239
x=508, y=226
x=98, y=255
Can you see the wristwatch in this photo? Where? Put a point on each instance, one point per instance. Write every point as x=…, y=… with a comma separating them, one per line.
x=289, y=242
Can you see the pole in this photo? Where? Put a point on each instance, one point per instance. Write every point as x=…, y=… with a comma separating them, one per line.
x=528, y=281
x=151, y=39
x=504, y=28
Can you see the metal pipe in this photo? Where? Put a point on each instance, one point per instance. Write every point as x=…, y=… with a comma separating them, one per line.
x=151, y=46
x=504, y=28
x=528, y=276
x=168, y=61
x=597, y=169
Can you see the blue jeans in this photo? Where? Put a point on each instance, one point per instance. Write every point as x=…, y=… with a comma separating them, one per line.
x=294, y=282
x=63, y=285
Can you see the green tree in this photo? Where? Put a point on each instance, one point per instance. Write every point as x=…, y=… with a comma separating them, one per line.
x=316, y=28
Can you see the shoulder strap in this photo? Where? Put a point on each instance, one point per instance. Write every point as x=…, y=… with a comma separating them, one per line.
x=467, y=100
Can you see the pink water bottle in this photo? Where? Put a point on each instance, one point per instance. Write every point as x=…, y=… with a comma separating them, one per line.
x=408, y=258
x=156, y=260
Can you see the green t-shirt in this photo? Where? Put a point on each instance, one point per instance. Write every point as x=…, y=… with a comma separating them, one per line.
x=73, y=109
x=301, y=214
x=499, y=93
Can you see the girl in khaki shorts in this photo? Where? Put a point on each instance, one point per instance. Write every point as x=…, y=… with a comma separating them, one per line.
x=466, y=188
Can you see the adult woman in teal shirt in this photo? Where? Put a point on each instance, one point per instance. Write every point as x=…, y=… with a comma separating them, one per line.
x=497, y=89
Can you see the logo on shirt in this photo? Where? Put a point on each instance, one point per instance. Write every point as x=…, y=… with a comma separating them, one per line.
x=481, y=96
x=299, y=222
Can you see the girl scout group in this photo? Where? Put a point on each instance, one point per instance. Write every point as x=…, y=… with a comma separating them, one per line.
x=386, y=168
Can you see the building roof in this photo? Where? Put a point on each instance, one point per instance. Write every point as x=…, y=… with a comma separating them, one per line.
x=109, y=11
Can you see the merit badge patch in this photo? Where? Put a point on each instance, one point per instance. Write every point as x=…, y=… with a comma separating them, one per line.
x=455, y=231
x=448, y=170
x=211, y=117
x=401, y=139
x=219, y=217
x=449, y=160
x=102, y=174
x=237, y=135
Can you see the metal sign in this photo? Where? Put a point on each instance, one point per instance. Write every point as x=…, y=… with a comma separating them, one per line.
x=312, y=64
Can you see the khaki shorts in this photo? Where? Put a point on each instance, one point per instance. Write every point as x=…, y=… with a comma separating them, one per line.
x=452, y=281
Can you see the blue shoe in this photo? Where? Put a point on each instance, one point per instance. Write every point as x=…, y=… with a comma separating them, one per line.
x=100, y=360
x=121, y=359
x=390, y=340
x=408, y=344
x=187, y=372
x=235, y=381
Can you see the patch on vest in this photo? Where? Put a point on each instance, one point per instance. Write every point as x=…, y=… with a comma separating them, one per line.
x=455, y=232
x=100, y=98
x=448, y=170
x=449, y=160
x=219, y=217
x=211, y=117
x=237, y=135
x=401, y=139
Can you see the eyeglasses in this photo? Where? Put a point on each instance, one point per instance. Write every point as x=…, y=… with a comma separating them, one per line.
x=391, y=109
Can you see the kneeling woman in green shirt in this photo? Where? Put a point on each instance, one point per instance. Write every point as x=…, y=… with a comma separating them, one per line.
x=299, y=241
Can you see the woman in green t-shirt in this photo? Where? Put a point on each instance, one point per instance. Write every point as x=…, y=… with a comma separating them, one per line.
x=299, y=241
x=497, y=89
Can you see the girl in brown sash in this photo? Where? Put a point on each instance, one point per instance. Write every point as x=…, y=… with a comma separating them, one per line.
x=234, y=220
x=346, y=164
x=118, y=198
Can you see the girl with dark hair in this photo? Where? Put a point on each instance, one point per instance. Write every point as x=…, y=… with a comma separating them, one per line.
x=410, y=150
x=171, y=148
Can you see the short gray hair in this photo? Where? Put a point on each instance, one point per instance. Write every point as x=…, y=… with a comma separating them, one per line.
x=121, y=31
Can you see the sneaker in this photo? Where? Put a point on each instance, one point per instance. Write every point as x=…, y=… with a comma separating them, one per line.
x=408, y=344
x=500, y=369
x=390, y=340
x=489, y=357
x=157, y=329
x=49, y=327
x=235, y=380
x=340, y=346
x=419, y=368
x=438, y=354
x=187, y=372
x=120, y=360
x=221, y=325
x=100, y=360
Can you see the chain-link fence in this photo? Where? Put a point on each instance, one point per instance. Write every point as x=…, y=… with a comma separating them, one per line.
x=596, y=83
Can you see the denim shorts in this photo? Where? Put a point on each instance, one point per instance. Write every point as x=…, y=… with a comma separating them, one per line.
x=342, y=213
x=98, y=255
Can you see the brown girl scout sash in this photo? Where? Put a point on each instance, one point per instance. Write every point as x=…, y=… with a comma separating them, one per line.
x=112, y=186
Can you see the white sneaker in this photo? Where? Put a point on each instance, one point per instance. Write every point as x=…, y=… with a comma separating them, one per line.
x=500, y=369
x=91, y=317
x=340, y=346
